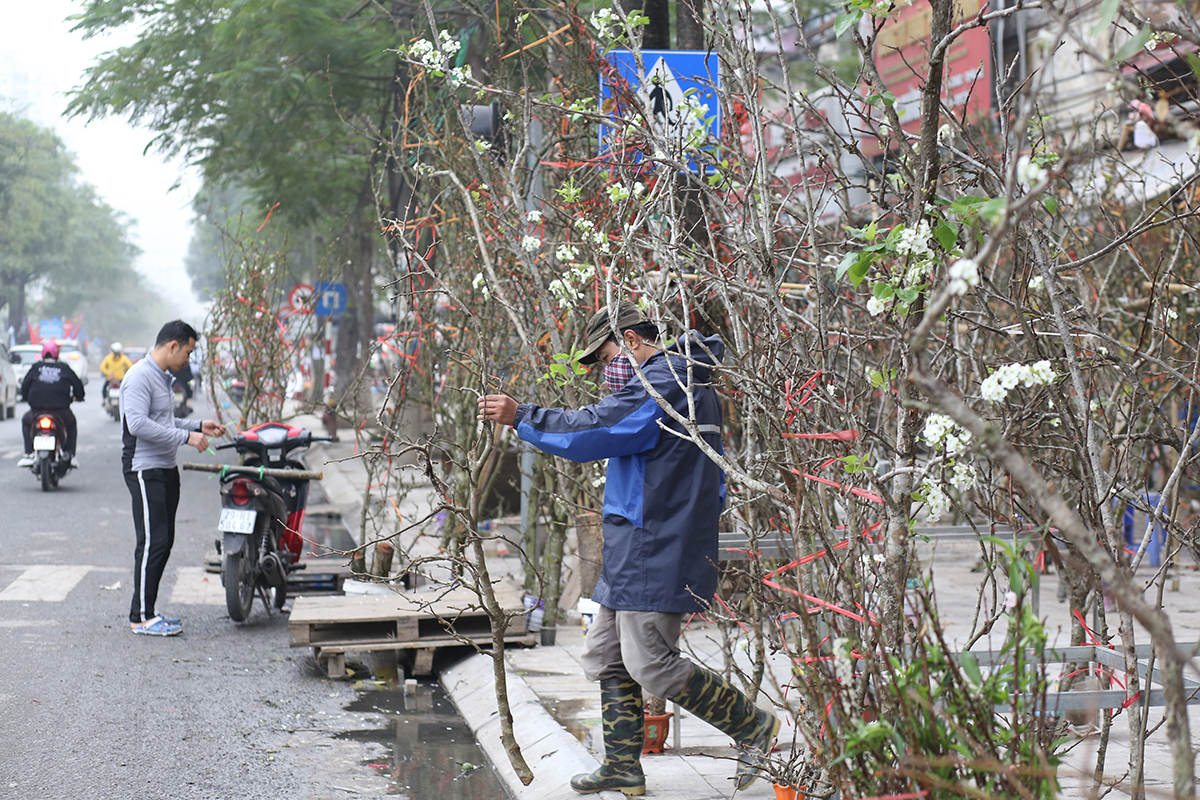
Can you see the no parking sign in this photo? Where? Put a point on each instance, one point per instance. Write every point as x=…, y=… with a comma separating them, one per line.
x=300, y=298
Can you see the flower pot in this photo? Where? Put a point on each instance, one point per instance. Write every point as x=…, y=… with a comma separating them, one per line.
x=787, y=792
x=657, y=727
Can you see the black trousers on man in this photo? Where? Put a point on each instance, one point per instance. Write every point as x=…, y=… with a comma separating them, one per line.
x=155, y=494
x=64, y=415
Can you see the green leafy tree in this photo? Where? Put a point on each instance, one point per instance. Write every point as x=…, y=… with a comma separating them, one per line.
x=286, y=100
x=97, y=280
x=58, y=236
x=35, y=196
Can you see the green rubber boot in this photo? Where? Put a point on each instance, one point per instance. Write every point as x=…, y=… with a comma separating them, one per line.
x=624, y=728
x=714, y=700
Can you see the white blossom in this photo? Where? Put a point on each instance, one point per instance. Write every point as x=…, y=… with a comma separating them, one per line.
x=964, y=274
x=995, y=387
x=936, y=428
x=530, y=243
x=481, y=285
x=604, y=21
x=584, y=224
x=533, y=217
x=459, y=75
x=875, y=306
x=435, y=58
x=918, y=270
x=617, y=193
x=1030, y=174
x=1041, y=373
x=936, y=501
x=1035, y=283
x=962, y=479
x=566, y=252
x=915, y=241
x=566, y=293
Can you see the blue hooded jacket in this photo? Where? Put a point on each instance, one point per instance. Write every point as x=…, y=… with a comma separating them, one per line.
x=662, y=496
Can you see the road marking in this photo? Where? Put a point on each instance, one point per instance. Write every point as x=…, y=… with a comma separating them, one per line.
x=49, y=584
x=196, y=587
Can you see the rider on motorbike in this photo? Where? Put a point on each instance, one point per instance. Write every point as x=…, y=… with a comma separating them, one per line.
x=113, y=368
x=49, y=387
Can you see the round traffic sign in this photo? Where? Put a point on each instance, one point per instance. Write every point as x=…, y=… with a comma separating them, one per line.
x=300, y=298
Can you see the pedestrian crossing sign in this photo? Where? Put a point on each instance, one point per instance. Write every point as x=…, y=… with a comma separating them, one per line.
x=664, y=106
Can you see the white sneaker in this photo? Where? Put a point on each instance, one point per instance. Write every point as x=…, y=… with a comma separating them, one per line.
x=27, y=461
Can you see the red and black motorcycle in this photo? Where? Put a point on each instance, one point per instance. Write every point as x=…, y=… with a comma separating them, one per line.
x=262, y=510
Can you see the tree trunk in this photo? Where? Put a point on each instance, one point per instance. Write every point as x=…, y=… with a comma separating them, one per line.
x=657, y=33
x=689, y=25
x=14, y=293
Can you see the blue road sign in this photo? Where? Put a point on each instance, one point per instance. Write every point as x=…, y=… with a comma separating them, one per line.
x=331, y=299
x=51, y=328
x=675, y=92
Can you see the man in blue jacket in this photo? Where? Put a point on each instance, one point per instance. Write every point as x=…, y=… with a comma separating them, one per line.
x=662, y=501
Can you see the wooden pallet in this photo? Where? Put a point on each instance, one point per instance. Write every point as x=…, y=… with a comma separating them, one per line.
x=422, y=620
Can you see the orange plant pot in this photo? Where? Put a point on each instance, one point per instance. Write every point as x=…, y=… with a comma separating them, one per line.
x=657, y=728
x=787, y=792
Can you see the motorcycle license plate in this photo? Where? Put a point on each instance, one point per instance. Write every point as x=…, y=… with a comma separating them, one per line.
x=234, y=520
x=43, y=443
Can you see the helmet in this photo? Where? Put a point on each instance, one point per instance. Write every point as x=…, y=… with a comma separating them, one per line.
x=50, y=349
x=116, y=348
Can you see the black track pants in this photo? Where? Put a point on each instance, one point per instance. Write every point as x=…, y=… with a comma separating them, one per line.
x=155, y=494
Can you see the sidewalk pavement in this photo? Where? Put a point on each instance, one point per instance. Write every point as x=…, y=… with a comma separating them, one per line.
x=556, y=711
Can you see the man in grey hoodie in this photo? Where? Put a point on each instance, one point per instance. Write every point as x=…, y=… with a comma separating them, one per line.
x=150, y=435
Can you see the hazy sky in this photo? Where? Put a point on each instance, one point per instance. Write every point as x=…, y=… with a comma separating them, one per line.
x=40, y=54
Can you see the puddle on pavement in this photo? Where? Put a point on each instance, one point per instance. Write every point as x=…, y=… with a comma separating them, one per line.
x=571, y=715
x=431, y=753
x=325, y=532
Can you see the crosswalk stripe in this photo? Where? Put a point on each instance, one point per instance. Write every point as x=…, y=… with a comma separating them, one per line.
x=50, y=583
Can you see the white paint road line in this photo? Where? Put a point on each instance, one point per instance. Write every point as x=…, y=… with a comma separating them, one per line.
x=49, y=584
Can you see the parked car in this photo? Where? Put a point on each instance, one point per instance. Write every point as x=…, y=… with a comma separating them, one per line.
x=8, y=385
x=135, y=354
x=70, y=354
x=23, y=356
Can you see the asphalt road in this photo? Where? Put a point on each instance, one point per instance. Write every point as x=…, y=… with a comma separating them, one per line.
x=88, y=710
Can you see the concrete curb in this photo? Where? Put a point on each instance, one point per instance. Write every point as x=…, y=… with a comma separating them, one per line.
x=554, y=756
